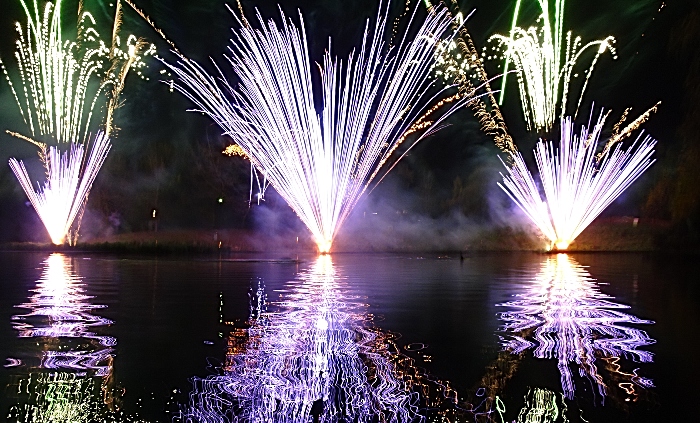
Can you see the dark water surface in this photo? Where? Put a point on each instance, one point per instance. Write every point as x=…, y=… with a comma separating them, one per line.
x=494, y=337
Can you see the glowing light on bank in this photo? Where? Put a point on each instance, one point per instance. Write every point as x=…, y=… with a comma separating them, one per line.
x=577, y=185
x=562, y=315
x=545, y=62
x=321, y=163
x=69, y=178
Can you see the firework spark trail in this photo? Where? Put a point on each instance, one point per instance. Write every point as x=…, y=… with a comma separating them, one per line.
x=61, y=83
x=577, y=187
x=321, y=164
x=315, y=346
x=55, y=74
x=573, y=321
x=457, y=60
x=70, y=175
x=545, y=65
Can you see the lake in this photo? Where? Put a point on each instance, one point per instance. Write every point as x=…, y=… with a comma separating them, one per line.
x=495, y=337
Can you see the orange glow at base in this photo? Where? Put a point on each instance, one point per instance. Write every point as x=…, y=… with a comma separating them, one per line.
x=324, y=246
x=562, y=245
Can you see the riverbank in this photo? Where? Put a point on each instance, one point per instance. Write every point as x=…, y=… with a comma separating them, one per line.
x=622, y=234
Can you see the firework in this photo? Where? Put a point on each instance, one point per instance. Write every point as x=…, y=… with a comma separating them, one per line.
x=61, y=84
x=58, y=77
x=55, y=74
x=321, y=163
x=544, y=61
x=577, y=186
x=233, y=150
x=573, y=322
x=69, y=177
x=458, y=61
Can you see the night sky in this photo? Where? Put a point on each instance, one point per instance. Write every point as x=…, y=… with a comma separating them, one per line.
x=168, y=158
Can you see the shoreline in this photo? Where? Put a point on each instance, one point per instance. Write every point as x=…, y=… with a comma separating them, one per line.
x=610, y=235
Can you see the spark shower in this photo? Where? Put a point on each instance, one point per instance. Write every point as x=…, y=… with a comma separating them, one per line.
x=62, y=81
x=577, y=184
x=544, y=64
x=322, y=163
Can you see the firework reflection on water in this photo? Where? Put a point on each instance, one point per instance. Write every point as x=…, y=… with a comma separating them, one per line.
x=563, y=316
x=317, y=347
x=70, y=366
x=60, y=312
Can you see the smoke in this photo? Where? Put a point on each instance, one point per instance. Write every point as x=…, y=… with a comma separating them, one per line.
x=453, y=206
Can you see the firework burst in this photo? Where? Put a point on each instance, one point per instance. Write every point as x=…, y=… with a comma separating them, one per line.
x=577, y=185
x=69, y=177
x=545, y=61
x=60, y=84
x=321, y=163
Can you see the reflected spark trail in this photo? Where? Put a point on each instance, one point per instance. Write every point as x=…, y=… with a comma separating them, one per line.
x=321, y=163
x=577, y=185
x=58, y=397
x=69, y=371
x=541, y=407
x=571, y=321
x=59, y=310
x=69, y=178
x=545, y=64
x=315, y=349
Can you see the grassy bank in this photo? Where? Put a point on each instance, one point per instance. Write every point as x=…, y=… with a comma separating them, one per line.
x=612, y=234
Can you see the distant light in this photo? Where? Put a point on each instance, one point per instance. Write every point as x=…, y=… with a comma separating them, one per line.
x=221, y=200
x=153, y=213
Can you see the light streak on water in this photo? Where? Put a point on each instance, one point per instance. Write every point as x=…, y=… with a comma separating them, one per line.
x=545, y=64
x=563, y=316
x=313, y=346
x=316, y=347
x=321, y=163
x=69, y=364
x=69, y=178
x=60, y=318
x=55, y=397
x=577, y=185
x=541, y=406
